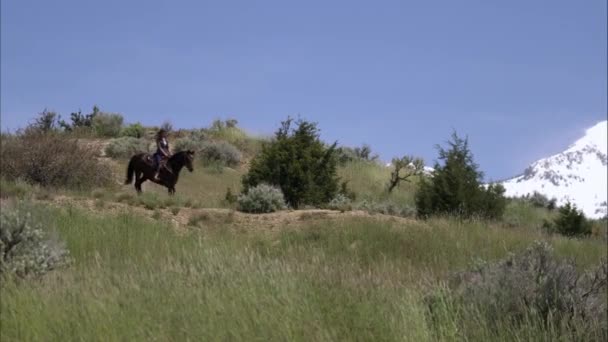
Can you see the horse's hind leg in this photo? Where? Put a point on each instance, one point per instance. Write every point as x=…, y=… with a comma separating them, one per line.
x=138, y=182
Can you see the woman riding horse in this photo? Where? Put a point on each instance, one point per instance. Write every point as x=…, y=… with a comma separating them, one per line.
x=162, y=152
x=142, y=167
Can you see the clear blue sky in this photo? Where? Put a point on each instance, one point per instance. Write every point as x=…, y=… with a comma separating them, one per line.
x=521, y=78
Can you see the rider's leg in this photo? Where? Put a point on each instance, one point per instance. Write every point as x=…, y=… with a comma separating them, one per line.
x=157, y=173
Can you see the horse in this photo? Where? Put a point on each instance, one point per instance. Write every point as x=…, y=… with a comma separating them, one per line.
x=142, y=167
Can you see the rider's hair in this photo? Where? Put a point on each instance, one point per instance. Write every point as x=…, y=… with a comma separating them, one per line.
x=161, y=133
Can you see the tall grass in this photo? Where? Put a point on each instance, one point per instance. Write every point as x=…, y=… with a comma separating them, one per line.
x=135, y=279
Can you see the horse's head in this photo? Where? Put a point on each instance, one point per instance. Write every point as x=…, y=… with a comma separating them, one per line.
x=181, y=159
x=188, y=160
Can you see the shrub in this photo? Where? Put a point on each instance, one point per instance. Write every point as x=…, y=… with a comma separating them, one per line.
x=539, y=200
x=51, y=160
x=98, y=193
x=230, y=197
x=125, y=147
x=492, y=202
x=570, y=222
x=100, y=204
x=220, y=152
x=211, y=152
x=47, y=121
x=196, y=219
x=199, y=135
x=135, y=130
x=124, y=197
x=184, y=144
x=387, y=208
x=455, y=187
x=346, y=154
x=299, y=163
x=341, y=203
x=346, y=191
x=79, y=121
x=107, y=125
x=18, y=189
x=150, y=201
x=535, y=284
x=261, y=199
x=25, y=249
x=156, y=215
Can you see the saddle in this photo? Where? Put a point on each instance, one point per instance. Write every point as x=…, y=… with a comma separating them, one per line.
x=163, y=162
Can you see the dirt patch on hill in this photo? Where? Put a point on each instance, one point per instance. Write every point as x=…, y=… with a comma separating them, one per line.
x=188, y=218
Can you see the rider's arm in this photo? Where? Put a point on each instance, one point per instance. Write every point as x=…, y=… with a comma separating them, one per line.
x=164, y=151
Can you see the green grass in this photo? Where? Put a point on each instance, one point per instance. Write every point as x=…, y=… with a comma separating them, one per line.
x=522, y=214
x=137, y=279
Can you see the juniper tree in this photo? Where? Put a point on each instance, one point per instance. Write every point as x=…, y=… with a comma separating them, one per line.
x=299, y=163
x=455, y=187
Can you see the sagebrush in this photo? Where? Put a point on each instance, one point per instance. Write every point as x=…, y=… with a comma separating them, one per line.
x=126, y=147
x=535, y=285
x=51, y=159
x=26, y=250
x=261, y=199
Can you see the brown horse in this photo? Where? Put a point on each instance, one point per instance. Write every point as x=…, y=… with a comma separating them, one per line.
x=142, y=166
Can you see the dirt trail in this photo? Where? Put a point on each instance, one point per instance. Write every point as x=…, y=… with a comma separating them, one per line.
x=189, y=218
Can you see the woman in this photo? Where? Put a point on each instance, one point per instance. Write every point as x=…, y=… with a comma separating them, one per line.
x=162, y=151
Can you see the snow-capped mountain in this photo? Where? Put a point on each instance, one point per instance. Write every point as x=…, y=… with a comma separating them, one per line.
x=579, y=174
x=427, y=170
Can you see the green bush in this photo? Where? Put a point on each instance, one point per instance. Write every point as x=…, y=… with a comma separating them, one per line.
x=18, y=188
x=387, y=208
x=25, y=249
x=535, y=285
x=341, y=203
x=51, y=159
x=230, y=198
x=188, y=143
x=346, y=154
x=211, y=152
x=262, y=198
x=221, y=152
x=455, y=187
x=107, y=125
x=570, y=222
x=539, y=200
x=125, y=147
x=135, y=130
x=299, y=163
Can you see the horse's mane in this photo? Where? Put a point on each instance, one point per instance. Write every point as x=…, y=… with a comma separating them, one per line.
x=177, y=155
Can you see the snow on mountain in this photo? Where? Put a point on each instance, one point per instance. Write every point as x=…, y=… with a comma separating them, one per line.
x=579, y=174
x=427, y=170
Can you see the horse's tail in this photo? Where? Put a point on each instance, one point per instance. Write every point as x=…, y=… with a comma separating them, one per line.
x=130, y=170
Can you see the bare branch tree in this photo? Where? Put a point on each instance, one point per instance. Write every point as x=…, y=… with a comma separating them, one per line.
x=404, y=168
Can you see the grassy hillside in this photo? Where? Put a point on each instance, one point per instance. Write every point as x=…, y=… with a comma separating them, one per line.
x=136, y=279
x=155, y=267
